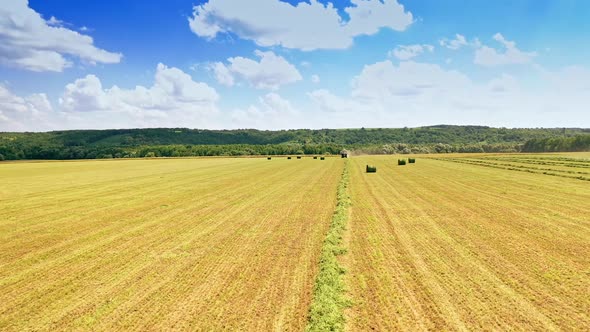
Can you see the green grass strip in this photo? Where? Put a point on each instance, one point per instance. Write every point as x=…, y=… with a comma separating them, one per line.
x=329, y=299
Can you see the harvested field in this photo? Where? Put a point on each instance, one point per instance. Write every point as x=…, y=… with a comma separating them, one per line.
x=186, y=244
x=448, y=245
x=578, y=168
x=453, y=242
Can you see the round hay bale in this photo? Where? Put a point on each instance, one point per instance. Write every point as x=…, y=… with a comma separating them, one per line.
x=371, y=169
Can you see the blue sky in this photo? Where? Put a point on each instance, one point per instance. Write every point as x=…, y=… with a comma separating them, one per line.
x=273, y=64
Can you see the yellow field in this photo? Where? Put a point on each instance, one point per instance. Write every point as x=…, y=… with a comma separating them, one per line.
x=192, y=244
x=453, y=242
x=444, y=245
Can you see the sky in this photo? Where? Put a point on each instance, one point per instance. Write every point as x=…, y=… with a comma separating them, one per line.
x=270, y=64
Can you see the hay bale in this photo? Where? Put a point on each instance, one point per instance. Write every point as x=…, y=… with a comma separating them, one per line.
x=411, y=160
x=268, y=158
x=298, y=157
x=322, y=158
x=401, y=162
x=315, y=157
x=371, y=169
x=288, y=157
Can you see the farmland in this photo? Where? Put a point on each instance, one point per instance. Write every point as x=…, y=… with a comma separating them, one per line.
x=187, y=244
x=464, y=243
x=451, y=242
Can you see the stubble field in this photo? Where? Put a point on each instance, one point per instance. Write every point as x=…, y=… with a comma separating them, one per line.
x=451, y=244
x=190, y=244
x=457, y=242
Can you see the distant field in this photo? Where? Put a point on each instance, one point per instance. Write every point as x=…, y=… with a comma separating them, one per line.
x=455, y=244
x=191, y=244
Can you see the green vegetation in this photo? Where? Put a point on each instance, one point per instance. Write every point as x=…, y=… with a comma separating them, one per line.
x=179, y=142
x=329, y=300
x=577, y=143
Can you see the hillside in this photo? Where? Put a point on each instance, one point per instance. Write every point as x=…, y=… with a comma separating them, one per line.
x=78, y=144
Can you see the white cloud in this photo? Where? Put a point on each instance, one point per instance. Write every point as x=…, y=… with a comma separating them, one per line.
x=222, y=74
x=503, y=84
x=271, y=112
x=54, y=21
x=271, y=72
x=173, y=90
x=305, y=26
x=18, y=113
x=29, y=42
x=327, y=101
x=315, y=79
x=384, y=80
x=454, y=44
x=413, y=94
x=406, y=52
x=487, y=56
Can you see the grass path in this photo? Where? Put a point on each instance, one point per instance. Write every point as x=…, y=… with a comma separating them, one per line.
x=329, y=298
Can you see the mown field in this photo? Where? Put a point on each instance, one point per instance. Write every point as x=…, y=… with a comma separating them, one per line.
x=185, y=244
x=453, y=242
x=470, y=243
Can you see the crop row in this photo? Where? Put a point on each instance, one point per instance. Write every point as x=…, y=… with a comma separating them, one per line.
x=542, y=161
x=546, y=171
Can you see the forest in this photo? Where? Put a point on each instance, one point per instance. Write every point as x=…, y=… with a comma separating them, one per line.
x=181, y=142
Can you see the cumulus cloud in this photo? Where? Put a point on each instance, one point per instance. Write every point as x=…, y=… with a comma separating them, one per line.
x=454, y=44
x=306, y=26
x=29, y=42
x=20, y=113
x=271, y=112
x=223, y=75
x=384, y=80
x=413, y=94
x=488, y=56
x=406, y=52
x=458, y=42
x=173, y=90
x=270, y=72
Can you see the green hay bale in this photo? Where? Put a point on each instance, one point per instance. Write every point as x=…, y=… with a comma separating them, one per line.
x=298, y=157
x=401, y=162
x=288, y=157
x=371, y=169
x=322, y=158
x=315, y=157
x=411, y=160
x=269, y=158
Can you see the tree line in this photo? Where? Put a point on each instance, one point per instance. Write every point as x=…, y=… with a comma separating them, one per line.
x=182, y=142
